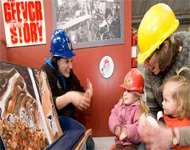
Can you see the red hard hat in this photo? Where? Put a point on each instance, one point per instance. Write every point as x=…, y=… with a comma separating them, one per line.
x=133, y=81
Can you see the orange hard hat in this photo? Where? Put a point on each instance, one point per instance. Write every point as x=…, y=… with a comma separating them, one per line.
x=134, y=81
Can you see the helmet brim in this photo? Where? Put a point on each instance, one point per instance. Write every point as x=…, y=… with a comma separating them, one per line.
x=130, y=88
x=67, y=54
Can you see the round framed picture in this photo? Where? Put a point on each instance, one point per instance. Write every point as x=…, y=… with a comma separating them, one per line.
x=106, y=66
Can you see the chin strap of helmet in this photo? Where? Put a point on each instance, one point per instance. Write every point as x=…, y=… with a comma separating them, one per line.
x=48, y=61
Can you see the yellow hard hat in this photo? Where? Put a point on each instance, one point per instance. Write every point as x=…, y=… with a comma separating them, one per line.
x=158, y=24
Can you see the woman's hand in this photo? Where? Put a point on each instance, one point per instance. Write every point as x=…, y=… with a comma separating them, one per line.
x=156, y=137
x=158, y=142
x=89, y=89
x=80, y=100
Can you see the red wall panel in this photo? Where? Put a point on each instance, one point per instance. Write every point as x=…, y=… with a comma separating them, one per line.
x=86, y=65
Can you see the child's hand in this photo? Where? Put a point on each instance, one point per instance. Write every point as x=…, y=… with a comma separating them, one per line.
x=124, y=134
x=117, y=130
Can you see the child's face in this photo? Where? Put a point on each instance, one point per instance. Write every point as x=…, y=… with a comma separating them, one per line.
x=129, y=97
x=169, y=104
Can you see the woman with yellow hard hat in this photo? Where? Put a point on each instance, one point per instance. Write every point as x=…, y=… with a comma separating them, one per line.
x=163, y=52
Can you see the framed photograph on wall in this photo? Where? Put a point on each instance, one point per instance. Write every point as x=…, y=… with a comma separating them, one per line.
x=90, y=23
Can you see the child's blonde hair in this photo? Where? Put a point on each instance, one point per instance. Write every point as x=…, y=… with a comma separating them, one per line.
x=181, y=93
x=144, y=108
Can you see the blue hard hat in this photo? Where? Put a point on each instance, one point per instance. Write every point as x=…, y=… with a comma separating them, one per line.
x=61, y=45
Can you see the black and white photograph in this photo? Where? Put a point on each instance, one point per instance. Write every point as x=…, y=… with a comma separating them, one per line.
x=90, y=23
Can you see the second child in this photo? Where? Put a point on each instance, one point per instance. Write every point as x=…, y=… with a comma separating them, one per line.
x=176, y=105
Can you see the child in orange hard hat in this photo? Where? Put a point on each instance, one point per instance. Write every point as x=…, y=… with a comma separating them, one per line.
x=123, y=121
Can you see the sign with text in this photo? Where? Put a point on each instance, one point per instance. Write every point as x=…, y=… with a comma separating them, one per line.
x=24, y=22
